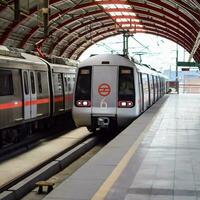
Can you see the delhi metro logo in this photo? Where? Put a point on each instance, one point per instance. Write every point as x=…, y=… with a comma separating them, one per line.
x=104, y=89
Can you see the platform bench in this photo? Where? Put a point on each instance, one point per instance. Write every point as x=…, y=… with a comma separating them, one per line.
x=42, y=184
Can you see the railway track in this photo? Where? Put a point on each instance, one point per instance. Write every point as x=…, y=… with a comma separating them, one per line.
x=12, y=150
x=24, y=183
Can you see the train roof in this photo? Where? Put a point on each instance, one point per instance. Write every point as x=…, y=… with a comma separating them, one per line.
x=105, y=59
x=62, y=68
x=119, y=60
x=20, y=60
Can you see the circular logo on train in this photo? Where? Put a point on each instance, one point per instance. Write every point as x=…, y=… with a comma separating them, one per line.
x=104, y=89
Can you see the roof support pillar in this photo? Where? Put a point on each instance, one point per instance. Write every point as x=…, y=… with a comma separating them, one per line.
x=43, y=15
x=196, y=46
x=125, y=43
x=17, y=10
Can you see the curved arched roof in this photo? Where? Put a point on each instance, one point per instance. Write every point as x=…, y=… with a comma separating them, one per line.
x=74, y=25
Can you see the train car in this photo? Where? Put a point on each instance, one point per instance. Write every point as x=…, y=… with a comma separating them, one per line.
x=112, y=90
x=24, y=89
x=32, y=91
x=63, y=80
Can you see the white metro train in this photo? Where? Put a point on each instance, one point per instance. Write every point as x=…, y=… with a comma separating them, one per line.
x=112, y=90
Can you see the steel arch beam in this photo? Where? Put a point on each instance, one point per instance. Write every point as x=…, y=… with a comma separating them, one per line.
x=156, y=28
x=82, y=26
x=132, y=3
x=148, y=32
x=84, y=35
x=143, y=18
x=169, y=7
x=168, y=35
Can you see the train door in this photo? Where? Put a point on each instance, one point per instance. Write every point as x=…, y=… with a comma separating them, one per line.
x=142, y=93
x=151, y=89
x=68, y=91
x=33, y=95
x=59, y=101
x=158, y=82
x=104, y=90
x=155, y=89
x=29, y=93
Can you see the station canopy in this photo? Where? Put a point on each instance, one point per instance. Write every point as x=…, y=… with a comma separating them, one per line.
x=74, y=25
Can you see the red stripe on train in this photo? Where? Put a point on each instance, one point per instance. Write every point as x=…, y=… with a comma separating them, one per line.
x=18, y=104
x=37, y=101
x=60, y=98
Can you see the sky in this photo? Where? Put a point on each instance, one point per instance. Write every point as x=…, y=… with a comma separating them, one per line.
x=156, y=51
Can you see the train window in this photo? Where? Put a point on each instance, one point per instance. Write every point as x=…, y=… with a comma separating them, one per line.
x=69, y=87
x=145, y=87
x=126, y=84
x=58, y=84
x=32, y=83
x=65, y=80
x=83, y=85
x=26, y=85
x=39, y=82
x=6, y=83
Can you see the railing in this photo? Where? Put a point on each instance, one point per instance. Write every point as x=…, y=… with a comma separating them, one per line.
x=189, y=88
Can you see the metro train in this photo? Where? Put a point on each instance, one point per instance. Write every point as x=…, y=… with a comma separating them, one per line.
x=32, y=93
x=112, y=90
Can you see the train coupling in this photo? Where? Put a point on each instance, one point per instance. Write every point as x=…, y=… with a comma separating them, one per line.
x=103, y=121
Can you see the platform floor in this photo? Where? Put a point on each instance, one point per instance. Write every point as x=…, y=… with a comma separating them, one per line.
x=156, y=158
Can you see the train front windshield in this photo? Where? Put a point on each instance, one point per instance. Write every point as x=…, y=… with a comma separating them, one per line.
x=83, y=87
x=126, y=93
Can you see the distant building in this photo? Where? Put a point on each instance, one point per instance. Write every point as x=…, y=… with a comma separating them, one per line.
x=189, y=81
x=181, y=74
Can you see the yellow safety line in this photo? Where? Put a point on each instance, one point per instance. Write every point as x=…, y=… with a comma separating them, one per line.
x=104, y=189
x=109, y=182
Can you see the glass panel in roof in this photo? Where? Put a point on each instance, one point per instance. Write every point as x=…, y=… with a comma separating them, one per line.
x=123, y=6
x=122, y=19
x=129, y=13
x=125, y=25
x=139, y=25
x=115, y=13
x=109, y=6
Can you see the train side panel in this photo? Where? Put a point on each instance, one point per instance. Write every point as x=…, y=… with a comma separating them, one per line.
x=126, y=115
x=11, y=110
x=43, y=94
x=63, y=80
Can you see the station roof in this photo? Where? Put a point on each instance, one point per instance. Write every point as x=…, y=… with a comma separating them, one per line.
x=74, y=25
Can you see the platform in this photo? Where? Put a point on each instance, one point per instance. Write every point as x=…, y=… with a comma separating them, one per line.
x=155, y=158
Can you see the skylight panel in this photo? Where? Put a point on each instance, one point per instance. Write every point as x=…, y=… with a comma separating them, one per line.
x=109, y=6
x=122, y=13
x=122, y=20
x=139, y=25
x=136, y=20
x=123, y=6
x=115, y=13
x=125, y=25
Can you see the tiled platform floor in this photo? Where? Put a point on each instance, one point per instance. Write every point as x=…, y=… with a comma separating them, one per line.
x=166, y=165
x=170, y=169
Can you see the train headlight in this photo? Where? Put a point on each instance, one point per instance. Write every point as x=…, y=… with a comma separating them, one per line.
x=125, y=104
x=83, y=103
x=79, y=103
